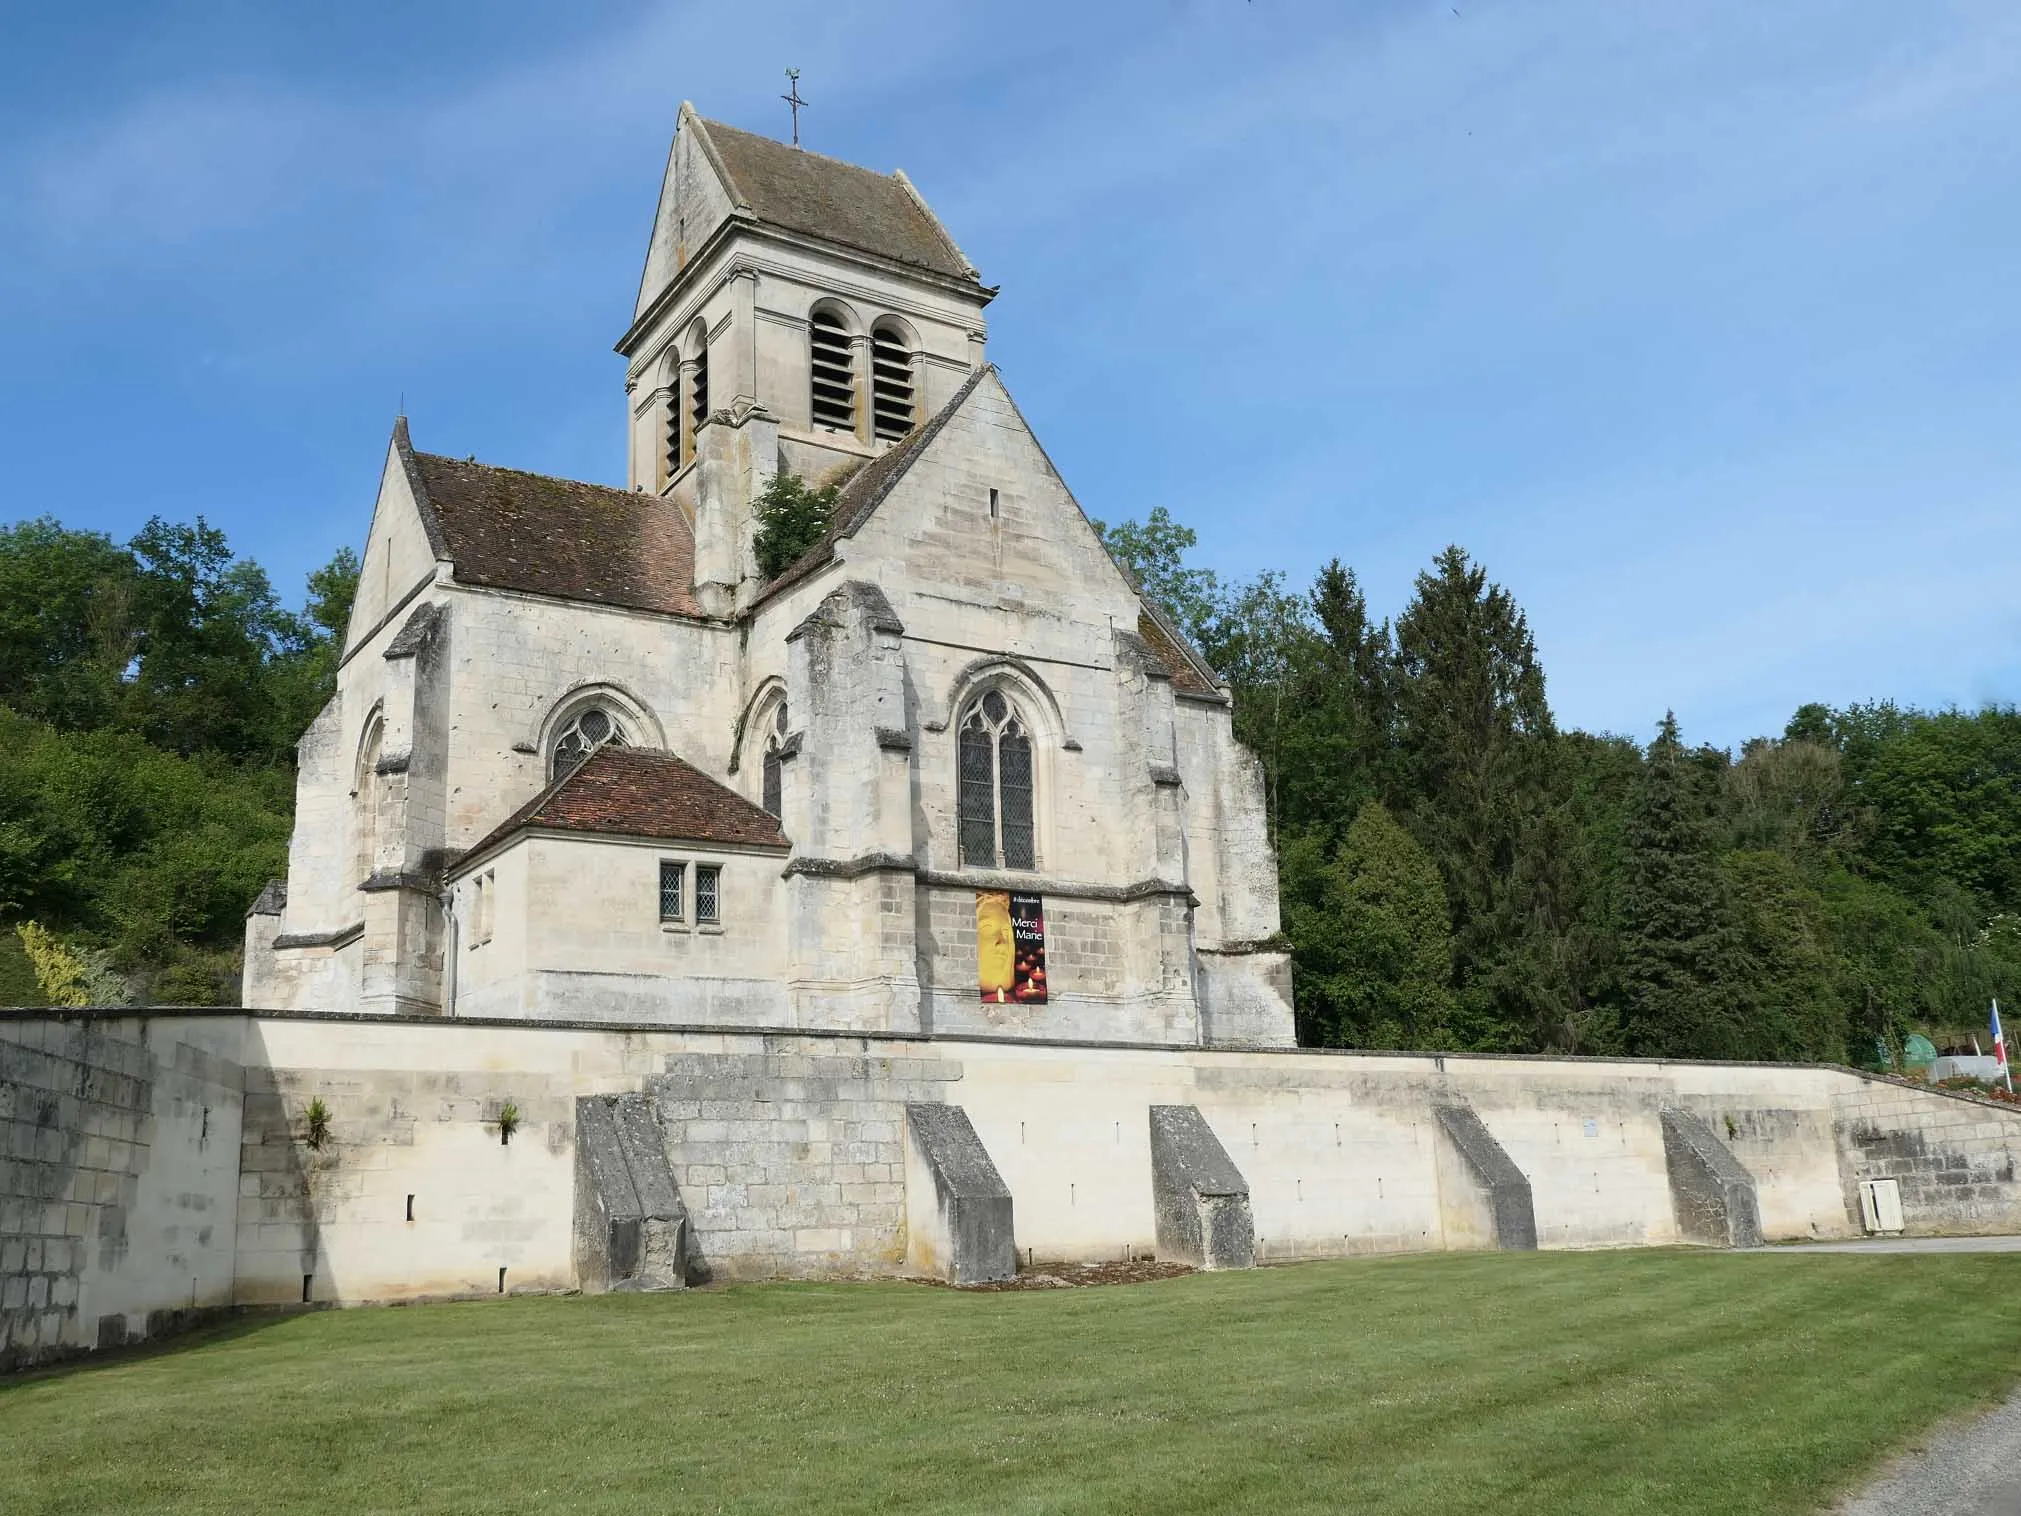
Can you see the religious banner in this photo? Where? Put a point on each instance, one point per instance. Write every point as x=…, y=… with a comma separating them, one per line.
x=1010, y=946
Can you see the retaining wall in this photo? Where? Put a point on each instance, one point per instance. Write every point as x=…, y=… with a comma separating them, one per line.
x=161, y=1163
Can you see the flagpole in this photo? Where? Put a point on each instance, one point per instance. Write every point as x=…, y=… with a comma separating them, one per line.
x=2000, y=1047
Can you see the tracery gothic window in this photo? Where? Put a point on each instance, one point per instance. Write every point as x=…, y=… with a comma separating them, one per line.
x=590, y=728
x=995, y=801
x=773, y=762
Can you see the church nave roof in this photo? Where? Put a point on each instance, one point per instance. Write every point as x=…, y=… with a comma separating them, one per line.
x=505, y=529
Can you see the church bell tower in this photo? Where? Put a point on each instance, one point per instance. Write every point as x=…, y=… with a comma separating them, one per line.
x=796, y=312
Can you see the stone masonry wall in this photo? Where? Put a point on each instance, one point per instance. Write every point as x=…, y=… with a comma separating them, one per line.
x=793, y=1163
x=117, y=1170
x=158, y=1165
x=1955, y=1158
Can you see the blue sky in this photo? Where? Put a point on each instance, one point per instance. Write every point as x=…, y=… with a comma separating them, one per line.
x=1699, y=323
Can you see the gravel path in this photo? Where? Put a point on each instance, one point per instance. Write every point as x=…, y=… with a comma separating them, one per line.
x=1972, y=1469
x=1905, y=1245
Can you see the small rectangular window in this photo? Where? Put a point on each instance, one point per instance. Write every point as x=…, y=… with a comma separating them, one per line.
x=671, y=877
x=708, y=894
x=992, y=505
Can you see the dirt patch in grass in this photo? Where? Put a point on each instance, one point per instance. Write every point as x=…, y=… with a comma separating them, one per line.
x=1071, y=1276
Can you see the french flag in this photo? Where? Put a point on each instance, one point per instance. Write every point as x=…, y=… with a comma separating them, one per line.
x=2000, y=1047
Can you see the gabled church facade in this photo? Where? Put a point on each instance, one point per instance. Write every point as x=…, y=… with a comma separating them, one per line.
x=948, y=773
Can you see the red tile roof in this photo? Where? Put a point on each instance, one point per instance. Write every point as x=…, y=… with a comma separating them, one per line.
x=1185, y=665
x=505, y=529
x=638, y=792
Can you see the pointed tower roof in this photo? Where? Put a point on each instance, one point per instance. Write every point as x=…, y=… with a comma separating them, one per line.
x=766, y=183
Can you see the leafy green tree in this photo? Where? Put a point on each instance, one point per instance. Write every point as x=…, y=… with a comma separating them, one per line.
x=144, y=854
x=1373, y=945
x=1154, y=551
x=1266, y=645
x=791, y=517
x=333, y=590
x=1787, y=1005
x=1791, y=797
x=66, y=635
x=208, y=625
x=1946, y=794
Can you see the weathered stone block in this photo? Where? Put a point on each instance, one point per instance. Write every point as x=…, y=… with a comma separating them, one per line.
x=958, y=1221
x=1200, y=1197
x=630, y=1225
x=1481, y=1189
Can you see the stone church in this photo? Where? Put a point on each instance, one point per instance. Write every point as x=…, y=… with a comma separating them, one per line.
x=907, y=912
x=949, y=772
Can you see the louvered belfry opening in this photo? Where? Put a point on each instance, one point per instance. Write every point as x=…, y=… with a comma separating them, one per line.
x=698, y=400
x=675, y=456
x=834, y=382
x=890, y=384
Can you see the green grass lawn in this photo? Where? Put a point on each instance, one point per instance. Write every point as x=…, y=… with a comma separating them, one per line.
x=1601, y=1382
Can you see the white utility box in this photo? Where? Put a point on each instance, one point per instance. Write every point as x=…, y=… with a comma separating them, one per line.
x=1881, y=1204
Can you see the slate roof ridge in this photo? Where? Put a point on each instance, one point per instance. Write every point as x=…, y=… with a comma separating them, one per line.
x=739, y=822
x=867, y=488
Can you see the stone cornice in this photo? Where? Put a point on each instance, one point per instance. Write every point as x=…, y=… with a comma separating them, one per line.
x=344, y=936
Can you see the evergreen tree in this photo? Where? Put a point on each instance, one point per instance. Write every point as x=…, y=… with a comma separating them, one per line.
x=1337, y=750
x=1676, y=944
x=1374, y=947
x=1474, y=769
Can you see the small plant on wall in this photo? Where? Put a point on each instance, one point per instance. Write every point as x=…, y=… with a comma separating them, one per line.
x=508, y=1122
x=318, y=1118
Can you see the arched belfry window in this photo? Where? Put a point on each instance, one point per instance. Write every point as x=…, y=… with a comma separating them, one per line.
x=773, y=763
x=996, y=787
x=833, y=394
x=588, y=729
x=891, y=400
x=698, y=399
x=676, y=452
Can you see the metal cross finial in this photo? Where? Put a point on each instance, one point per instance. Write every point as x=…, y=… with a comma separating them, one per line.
x=793, y=100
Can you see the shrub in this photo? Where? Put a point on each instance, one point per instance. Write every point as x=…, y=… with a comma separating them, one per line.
x=792, y=517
